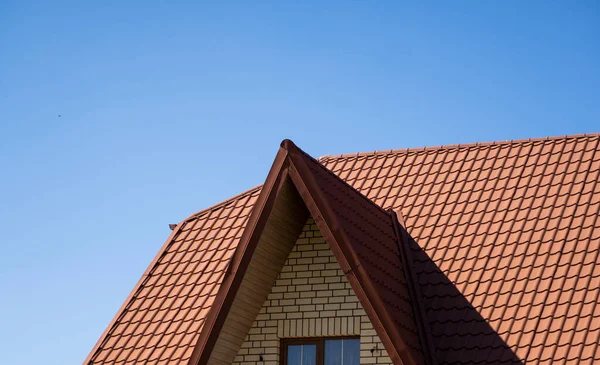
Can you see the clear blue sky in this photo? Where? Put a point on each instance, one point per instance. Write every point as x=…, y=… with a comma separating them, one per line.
x=168, y=108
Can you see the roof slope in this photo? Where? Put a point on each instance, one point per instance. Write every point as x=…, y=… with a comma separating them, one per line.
x=160, y=321
x=514, y=225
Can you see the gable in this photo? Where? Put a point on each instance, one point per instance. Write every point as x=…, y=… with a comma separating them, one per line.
x=381, y=286
x=310, y=298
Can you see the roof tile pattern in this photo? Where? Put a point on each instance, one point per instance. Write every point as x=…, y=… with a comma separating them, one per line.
x=371, y=235
x=515, y=228
x=162, y=321
x=506, y=235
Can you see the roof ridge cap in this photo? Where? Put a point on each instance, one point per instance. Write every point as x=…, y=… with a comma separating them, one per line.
x=222, y=203
x=456, y=146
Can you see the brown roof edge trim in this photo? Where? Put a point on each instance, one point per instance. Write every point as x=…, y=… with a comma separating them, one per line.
x=241, y=259
x=135, y=289
x=413, y=287
x=347, y=258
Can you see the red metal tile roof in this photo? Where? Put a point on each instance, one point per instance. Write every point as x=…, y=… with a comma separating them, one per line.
x=511, y=229
x=514, y=226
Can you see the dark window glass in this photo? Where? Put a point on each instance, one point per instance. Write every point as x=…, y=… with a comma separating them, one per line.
x=333, y=352
x=321, y=351
x=302, y=354
x=351, y=351
x=294, y=355
x=342, y=352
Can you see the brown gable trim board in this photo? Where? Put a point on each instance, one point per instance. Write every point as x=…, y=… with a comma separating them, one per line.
x=240, y=261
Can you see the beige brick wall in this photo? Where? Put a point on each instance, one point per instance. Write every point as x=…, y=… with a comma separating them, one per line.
x=311, y=298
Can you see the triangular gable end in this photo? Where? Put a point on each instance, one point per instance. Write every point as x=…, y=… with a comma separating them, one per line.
x=363, y=237
x=310, y=299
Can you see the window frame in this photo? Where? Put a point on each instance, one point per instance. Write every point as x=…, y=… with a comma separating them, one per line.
x=319, y=341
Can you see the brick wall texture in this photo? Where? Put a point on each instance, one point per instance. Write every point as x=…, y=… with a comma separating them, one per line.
x=311, y=298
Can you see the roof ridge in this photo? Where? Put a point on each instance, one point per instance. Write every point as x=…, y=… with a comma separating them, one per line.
x=321, y=159
x=456, y=146
x=222, y=203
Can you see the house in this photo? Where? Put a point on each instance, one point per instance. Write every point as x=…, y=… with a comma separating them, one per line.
x=483, y=253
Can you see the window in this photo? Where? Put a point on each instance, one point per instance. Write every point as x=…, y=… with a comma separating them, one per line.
x=321, y=351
